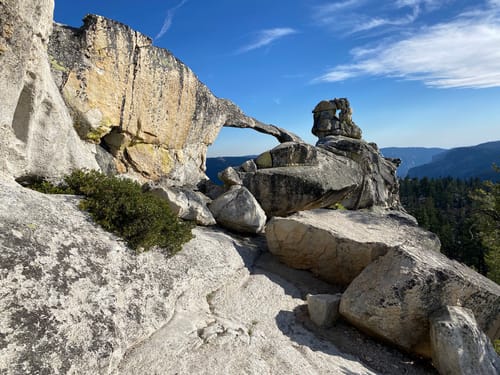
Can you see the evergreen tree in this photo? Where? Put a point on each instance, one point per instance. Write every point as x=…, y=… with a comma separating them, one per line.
x=487, y=215
x=444, y=206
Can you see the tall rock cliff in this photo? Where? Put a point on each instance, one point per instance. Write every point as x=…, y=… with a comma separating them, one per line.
x=37, y=134
x=138, y=101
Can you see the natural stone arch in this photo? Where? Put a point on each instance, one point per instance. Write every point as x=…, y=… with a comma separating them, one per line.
x=282, y=135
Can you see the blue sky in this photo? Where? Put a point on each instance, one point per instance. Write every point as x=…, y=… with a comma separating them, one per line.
x=417, y=72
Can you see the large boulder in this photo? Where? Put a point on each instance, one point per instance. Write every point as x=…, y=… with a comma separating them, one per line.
x=395, y=296
x=238, y=210
x=38, y=137
x=458, y=345
x=288, y=154
x=284, y=190
x=186, y=203
x=337, y=245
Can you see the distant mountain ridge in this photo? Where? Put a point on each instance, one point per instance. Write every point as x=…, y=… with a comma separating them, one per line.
x=219, y=163
x=434, y=162
x=411, y=156
x=463, y=163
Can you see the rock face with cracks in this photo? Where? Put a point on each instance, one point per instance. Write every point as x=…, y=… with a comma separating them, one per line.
x=143, y=104
x=38, y=137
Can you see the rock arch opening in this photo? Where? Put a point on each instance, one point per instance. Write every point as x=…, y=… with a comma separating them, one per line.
x=233, y=146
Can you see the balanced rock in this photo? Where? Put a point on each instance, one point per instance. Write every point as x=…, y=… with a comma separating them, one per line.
x=337, y=245
x=238, y=210
x=458, y=345
x=395, y=296
x=186, y=203
x=326, y=121
x=38, y=137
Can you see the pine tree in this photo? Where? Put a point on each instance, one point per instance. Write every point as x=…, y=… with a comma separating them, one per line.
x=487, y=215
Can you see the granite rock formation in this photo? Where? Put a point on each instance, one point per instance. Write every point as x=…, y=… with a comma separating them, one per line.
x=323, y=308
x=337, y=245
x=76, y=300
x=341, y=168
x=395, y=296
x=140, y=102
x=326, y=121
x=38, y=137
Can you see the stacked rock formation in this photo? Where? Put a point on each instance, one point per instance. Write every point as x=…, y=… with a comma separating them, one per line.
x=326, y=121
x=342, y=168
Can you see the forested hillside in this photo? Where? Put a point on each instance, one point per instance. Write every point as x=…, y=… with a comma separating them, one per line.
x=411, y=156
x=463, y=213
x=462, y=162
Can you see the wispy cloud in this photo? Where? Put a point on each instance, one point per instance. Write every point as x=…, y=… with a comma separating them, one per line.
x=266, y=37
x=339, y=5
x=167, y=23
x=461, y=53
x=355, y=16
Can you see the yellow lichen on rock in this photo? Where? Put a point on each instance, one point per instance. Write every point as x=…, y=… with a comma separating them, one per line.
x=264, y=160
x=117, y=82
x=142, y=89
x=150, y=160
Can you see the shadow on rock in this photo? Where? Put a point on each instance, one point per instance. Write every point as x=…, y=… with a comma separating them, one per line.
x=344, y=340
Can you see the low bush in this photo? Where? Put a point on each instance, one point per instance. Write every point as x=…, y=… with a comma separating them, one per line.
x=121, y=207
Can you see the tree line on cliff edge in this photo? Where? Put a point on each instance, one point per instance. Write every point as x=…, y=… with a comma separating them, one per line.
x=465, y=214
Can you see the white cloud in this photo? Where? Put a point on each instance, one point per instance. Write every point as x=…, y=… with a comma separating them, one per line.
x=339, y=5
x=167, y=23
x=427, y=4
x=266, y=37
x=356, y=16
x=379, y=22
x=462, y=53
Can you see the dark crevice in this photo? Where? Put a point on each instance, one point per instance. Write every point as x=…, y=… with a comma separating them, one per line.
x=23, y=112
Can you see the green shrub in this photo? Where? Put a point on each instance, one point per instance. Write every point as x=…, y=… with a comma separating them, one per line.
x=121, y=207
x=48, y=188
x=496, y=343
